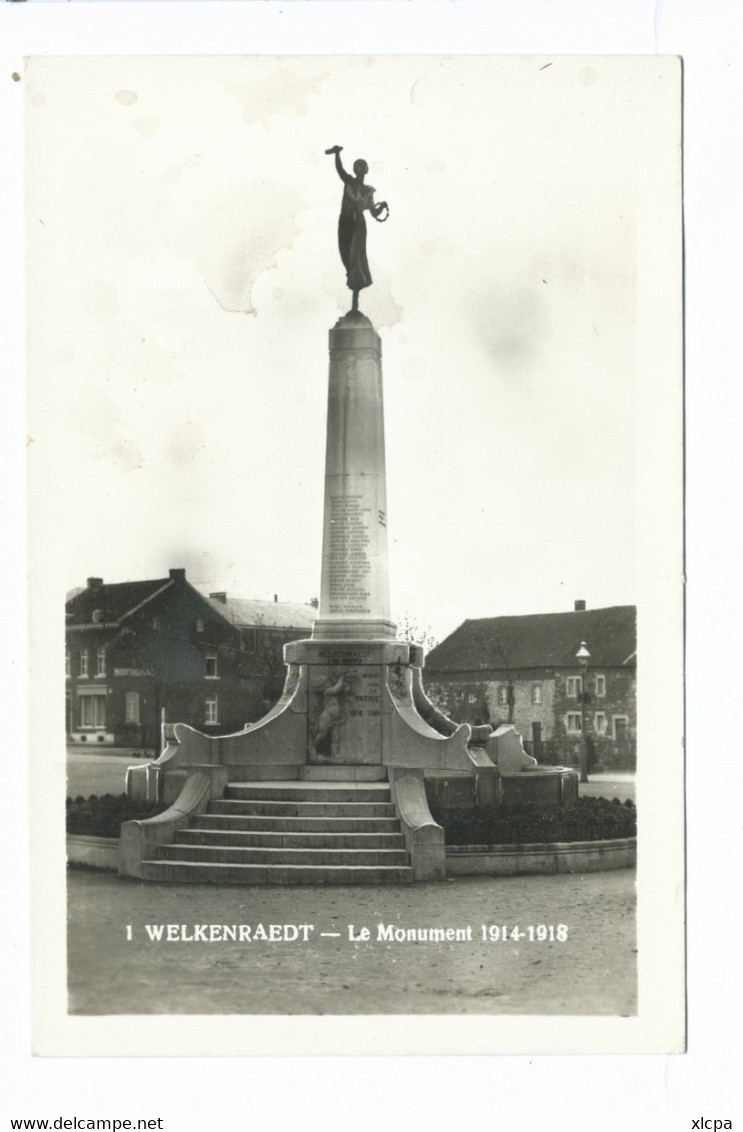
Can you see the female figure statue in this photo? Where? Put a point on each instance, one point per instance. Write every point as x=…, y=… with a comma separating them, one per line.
x=358, y=197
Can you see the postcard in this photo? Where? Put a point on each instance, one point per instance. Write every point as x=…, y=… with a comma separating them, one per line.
x=379, y=358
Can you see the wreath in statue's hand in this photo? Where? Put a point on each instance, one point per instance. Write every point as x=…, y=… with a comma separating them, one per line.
x=382, y=206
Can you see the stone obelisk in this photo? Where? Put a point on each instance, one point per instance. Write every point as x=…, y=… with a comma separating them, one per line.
x=354, y=590
x=353, y=639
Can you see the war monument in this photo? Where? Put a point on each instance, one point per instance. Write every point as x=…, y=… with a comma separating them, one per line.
x=334, y=784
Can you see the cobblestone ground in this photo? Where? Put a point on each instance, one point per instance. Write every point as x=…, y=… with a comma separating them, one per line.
x=592, y=972
x=89, y=772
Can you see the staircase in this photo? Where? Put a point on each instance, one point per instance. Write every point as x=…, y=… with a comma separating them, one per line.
x=324, y=832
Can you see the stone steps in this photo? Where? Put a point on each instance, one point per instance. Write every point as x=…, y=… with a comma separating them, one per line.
x=258, y=822
x=250, y=855
x=250, y=807
x=290, y=832
x=360, y=772
x=200, y=872
x=310, y=773
x=275, y=839
x=308, y=792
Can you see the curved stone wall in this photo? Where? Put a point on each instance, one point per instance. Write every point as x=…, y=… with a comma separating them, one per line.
x=557, y=857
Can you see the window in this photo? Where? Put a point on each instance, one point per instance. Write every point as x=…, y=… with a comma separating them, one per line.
x=536, y=693
x=600, y=723
x=211, y=666
x=211, y=709
x=132, y=707
x=621, y=725
x=92, y=711
x=67, y=663
x=155, y=623
x=199, y=626
x=574, y=686
x=100, y=661
x=83, y=662
x=503, y=695
x=600, y=685
x=574, y=727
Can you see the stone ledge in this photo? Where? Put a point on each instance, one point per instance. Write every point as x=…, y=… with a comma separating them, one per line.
x=355, y=650
x=554, y=857
x=461, y=860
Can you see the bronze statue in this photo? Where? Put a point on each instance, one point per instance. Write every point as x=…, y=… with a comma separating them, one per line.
x=358, y=197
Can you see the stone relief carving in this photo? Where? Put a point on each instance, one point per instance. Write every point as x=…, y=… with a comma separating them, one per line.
x=292, y=679
x=332, y=695
x=397, y=682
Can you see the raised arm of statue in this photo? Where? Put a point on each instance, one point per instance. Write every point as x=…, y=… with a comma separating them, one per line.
x=344, y=176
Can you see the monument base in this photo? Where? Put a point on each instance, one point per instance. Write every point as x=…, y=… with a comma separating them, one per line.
x=327, y=629
x=336, y=774
x=360, y=707
x=345, y=753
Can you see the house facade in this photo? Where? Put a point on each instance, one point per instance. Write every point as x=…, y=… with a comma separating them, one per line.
x=524, y=670
x=138, y=652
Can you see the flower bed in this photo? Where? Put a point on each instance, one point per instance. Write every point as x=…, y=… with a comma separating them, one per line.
x=589, y=819
x=102, y=817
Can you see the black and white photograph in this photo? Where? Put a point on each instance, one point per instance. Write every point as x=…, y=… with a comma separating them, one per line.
x=370, y=473
x=344, y=382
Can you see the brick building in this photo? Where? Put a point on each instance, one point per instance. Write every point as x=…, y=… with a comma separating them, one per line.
x=524, y=670
x=136, y=651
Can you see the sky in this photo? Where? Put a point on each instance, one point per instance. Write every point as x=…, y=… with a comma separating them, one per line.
x=183, y=275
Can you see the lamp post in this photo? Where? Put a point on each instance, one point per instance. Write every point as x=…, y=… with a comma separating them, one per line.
x=583, y=656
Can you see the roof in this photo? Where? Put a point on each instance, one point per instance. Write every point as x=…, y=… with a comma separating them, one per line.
x=116, y=600
x=245, y=612
x=539, y=640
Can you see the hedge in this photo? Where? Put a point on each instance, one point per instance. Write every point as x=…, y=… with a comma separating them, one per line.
x=102, y=817
x=589, y=819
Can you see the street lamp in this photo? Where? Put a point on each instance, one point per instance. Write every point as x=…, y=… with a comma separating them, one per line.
x=583, y=656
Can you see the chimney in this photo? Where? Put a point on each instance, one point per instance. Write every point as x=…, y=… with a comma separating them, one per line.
x=580, y=606
x=275, y=597
x=220, y=596
x=178, y=575
x=95, y=583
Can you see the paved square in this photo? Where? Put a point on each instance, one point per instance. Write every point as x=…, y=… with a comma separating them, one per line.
x=592, y=972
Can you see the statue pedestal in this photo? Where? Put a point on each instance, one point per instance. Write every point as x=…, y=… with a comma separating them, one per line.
x=353, y=694
x=346, y=683
x=357, y=679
